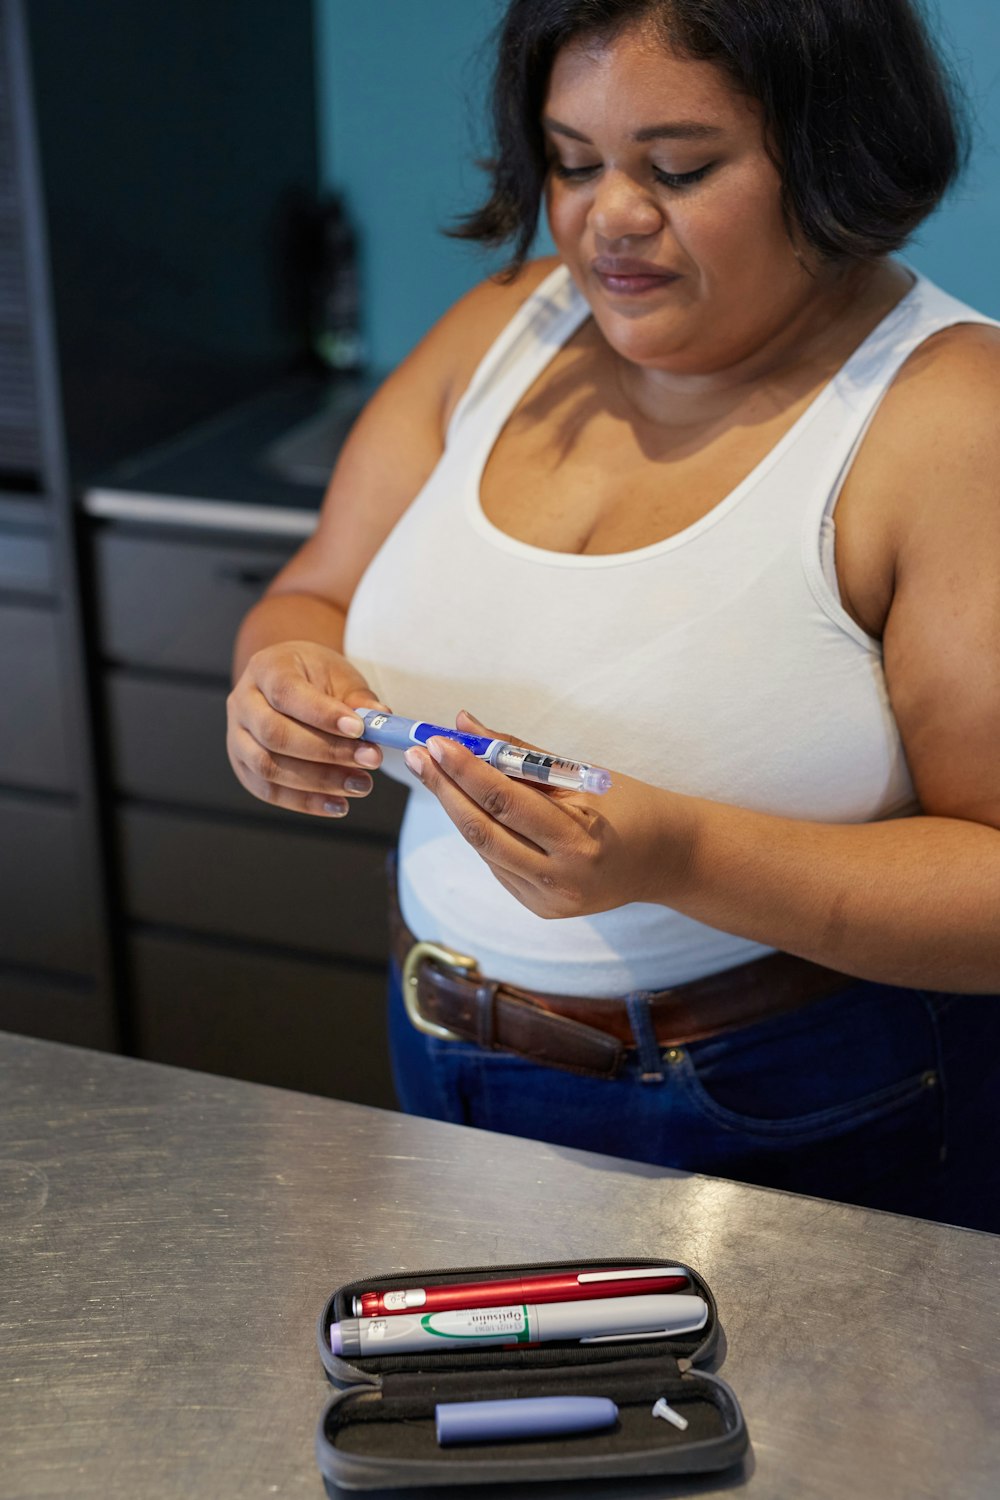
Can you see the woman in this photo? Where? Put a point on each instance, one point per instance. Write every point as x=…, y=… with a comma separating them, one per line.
x=709, y=499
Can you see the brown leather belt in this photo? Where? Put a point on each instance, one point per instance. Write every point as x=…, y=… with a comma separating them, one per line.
x=446, y=996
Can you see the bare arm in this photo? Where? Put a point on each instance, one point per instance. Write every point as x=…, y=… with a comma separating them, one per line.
x=914, y=902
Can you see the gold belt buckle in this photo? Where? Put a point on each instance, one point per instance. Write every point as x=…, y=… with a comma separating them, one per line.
x=447, y=958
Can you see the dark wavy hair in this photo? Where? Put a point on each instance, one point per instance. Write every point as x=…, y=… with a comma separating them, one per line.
x=862, y=118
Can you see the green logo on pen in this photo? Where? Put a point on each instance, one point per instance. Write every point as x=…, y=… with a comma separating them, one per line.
x=493, y=1322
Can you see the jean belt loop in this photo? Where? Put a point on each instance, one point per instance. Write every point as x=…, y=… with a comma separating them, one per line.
x=650, y=1060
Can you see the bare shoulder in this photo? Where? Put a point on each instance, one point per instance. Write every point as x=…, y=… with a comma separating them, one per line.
x=969, y=347
x=951, y=366
x=945, y=403
x=933, y=452
x=474, y=322
x=941, y=424
x=927, y=478
x=437, y=370
x=498, y=298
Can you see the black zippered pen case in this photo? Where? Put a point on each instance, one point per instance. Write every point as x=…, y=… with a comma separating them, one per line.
x=378, y=1431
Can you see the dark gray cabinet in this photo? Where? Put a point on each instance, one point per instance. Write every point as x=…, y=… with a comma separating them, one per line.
x=154, y=243
x=35, y=748
x=316, y=888
x=48, y=916
x=56, y=1007
x=56, y=965
x=208, y=1006
x=26, y=562
x=256, y=939
x=176, y=605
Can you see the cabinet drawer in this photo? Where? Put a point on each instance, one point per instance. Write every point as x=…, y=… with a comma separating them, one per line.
x=33, y=745
x=295, y=1024
x=26, y=562
x=168, y=744
x=177, y=604
x=319, y=890
x=74, y=1014
x=46, y=917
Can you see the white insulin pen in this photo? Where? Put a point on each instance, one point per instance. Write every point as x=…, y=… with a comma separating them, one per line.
x=397, y=733
x=602, y=1318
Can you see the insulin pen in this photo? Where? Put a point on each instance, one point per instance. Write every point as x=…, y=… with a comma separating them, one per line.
x=568, y=1286
x=607, y=1318
x=397, y=733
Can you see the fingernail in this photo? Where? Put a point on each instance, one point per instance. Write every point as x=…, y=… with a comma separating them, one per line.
x=367, y=755
x=470, y=715
x=350, y=725
x=335, y=809
x=357, y=783
x=415, y=761
x=436, y=747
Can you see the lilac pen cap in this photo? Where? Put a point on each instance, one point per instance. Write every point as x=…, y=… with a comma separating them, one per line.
x=525, y=1417
x=336, y=1342
x=594, y=779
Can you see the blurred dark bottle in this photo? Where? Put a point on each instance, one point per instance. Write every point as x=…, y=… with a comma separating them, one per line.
x=336, y=312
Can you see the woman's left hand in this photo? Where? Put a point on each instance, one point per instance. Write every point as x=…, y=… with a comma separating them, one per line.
x=560, y=853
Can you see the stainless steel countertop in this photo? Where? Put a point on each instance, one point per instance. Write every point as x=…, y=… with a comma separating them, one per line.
x=168, y=1239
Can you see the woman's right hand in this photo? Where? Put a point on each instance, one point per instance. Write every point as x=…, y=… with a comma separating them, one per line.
x=292, y=736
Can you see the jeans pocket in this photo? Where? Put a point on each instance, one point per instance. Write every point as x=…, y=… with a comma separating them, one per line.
x=855, y=1058
x=818, y=1124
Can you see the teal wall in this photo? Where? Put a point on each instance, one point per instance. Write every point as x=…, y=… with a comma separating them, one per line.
x=402, y=92
x=402, y=97
x=957, y=247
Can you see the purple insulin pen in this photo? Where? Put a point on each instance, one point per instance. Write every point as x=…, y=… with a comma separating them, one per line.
x=397, y=733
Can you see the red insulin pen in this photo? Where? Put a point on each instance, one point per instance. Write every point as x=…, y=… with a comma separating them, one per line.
x=566, y=1286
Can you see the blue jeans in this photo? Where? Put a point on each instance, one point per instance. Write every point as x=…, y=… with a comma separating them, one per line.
x=874, y=1095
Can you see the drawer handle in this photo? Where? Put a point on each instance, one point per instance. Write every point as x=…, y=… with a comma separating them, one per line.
x=249, y=577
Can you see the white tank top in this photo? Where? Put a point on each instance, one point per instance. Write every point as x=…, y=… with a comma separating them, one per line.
x=718, y=663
